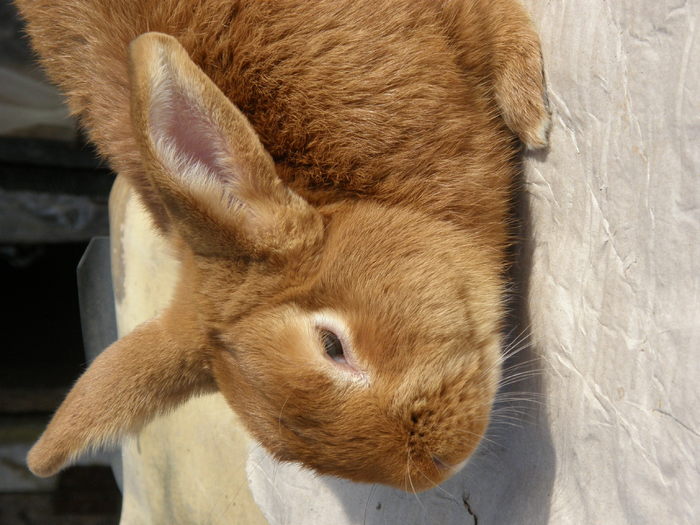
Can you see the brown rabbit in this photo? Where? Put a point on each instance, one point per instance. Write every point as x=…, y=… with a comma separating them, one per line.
x=336, y=177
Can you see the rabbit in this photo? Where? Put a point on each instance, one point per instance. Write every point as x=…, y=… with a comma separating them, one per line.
x=335, y=177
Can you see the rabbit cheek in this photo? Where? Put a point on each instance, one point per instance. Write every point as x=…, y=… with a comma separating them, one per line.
x=272, y=373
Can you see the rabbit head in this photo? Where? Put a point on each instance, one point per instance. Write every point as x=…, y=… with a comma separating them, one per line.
x=359, y=339
x=373, y=359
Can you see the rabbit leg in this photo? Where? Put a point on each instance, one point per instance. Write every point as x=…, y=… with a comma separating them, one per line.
x=518, y=74
x=497, y=39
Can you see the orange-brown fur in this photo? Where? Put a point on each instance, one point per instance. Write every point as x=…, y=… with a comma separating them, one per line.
x=394, y=125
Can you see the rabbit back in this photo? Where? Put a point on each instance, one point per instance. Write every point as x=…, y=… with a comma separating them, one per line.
x=351, y=98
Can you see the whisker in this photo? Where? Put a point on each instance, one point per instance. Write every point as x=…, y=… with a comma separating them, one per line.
x=518, y=378
x=279, y=417
x=533, y=361
x=513, y=415
x=512, y=424
x=512, y=410
x=522, y=337
x=279, y=432
x=527, y=393
x=517, y=397
x=437, y=486
x=522, y=364
x=506, y=336
x=413, y=488
x=481, y=437
x=369, y=498
x=514, y=348
x=516, y=412
x=503, y=397
x=510, y=349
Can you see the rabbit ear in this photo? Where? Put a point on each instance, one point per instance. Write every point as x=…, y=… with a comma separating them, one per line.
x=140, y=376
x=206, y=161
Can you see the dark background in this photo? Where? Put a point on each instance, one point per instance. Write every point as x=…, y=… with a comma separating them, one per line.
x=53, y=199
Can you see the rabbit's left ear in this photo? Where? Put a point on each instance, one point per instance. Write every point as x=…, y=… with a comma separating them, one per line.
x=147, y=372
x=214, y=176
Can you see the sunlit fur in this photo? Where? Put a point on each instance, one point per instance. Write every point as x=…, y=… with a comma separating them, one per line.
x=348, y=158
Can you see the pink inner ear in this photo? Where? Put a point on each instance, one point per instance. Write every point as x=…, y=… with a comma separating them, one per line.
x=183, y=124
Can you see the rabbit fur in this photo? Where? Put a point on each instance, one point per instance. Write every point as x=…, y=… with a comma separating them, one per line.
x=340, y=167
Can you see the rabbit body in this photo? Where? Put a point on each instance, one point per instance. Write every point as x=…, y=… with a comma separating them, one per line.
x=369, y=149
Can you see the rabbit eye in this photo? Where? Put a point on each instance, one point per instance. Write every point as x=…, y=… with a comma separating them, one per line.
x=333, y=346
x=336, y=339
